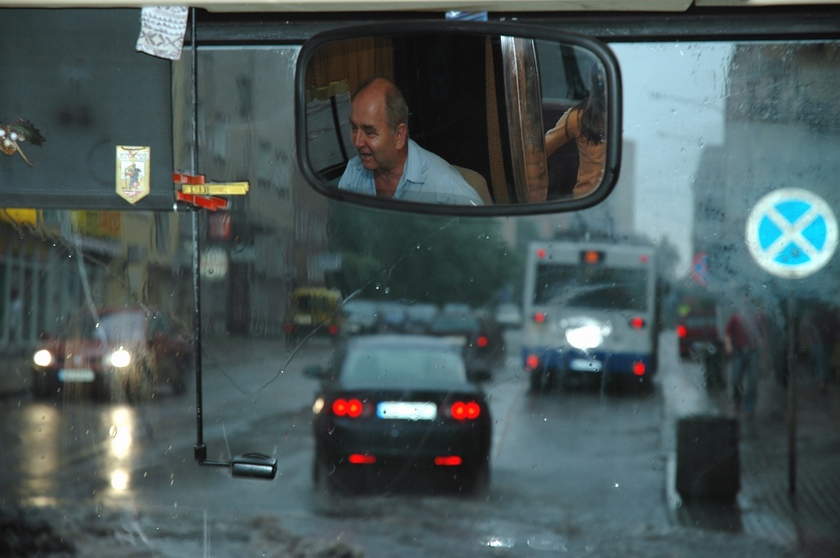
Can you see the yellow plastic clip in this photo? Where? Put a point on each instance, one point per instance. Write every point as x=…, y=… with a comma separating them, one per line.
x=217, y=189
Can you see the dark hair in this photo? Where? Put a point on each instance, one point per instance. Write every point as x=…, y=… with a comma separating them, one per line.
x=593, y=108
x=396, y=107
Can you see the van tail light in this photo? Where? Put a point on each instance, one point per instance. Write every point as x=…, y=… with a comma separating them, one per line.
x=532, y=362
x=639, y=368
x=461, y=410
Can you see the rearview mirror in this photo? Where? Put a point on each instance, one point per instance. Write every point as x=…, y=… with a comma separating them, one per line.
x=480, y=118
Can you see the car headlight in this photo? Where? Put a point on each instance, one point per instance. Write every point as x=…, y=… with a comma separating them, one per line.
x=42, y=358
x=120, y=358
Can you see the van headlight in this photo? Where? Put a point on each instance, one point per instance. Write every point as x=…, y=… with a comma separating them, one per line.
x=120, y=358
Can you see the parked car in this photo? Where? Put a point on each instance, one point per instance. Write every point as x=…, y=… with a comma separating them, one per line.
x=360, y=316
x=419, y=316
x=392, y=317
x=698, y=332
x=127, y=352
x=395, y=403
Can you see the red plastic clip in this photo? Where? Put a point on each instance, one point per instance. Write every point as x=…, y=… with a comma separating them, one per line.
x=181, y=178
x=207, y=202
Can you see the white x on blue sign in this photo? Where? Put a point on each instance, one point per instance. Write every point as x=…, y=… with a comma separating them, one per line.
x=791, y=233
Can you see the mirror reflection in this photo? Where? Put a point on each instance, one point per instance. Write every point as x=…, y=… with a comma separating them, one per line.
x=446, y=119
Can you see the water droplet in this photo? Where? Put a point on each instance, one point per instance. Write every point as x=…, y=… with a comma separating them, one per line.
x=113, y=431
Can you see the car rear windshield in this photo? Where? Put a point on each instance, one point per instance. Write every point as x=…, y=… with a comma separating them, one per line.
x=403, y=367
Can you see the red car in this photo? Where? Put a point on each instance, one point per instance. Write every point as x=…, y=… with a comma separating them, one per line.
x=698, y=331
x=129, y=352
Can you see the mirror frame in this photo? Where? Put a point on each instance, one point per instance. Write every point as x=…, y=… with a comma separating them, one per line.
x=474, y=28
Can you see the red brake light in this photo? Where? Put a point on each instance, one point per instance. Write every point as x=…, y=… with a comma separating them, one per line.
x=681, y=331
x=465, y=411
x=482, y=341
x=448, y=460
x=539, y=317
x=540, y=253
x=347, y=408
x=361, y=459
x=637, y=322
x=639, y=368
x=532, y=362
x=333, y=329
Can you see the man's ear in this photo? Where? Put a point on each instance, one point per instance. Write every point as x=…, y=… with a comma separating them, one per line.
x=401, y=135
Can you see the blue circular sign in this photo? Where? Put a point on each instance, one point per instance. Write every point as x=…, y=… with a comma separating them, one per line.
x=791, y=233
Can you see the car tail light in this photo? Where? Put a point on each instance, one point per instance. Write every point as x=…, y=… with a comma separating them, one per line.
x=639, y=368
x=539, y=318
x=681, y=331
x=461, y=410
x=637, y=322
x=361, y=459
x=352, y=408
x=482, y=341
x=448, y=460
x=532, y=362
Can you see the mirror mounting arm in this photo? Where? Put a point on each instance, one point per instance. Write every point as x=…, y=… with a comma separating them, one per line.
x=249, y=465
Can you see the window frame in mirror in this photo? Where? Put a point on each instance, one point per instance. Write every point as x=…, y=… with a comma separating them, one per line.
x=466, y=28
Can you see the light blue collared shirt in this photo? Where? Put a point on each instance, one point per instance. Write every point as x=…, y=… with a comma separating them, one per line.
x=426, y=178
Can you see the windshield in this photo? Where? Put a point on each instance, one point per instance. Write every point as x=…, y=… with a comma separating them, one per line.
x=590, y=442
x=573, y=286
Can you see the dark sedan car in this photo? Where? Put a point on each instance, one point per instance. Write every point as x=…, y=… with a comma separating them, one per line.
x=393, y=409
x=481, y=341
x=116, y=353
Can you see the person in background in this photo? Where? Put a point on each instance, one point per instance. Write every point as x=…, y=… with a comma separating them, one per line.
x=741, y=340
x=817, y=332
x=391, y=165
x=584, y=123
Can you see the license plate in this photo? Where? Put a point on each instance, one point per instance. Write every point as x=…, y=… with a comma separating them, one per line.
x=584, y=365
x=75, y=375
x=406, y=410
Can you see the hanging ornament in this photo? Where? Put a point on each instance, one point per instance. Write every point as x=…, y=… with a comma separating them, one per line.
x=14, y=134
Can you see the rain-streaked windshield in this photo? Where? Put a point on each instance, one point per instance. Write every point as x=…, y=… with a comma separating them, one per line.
x=611, y=436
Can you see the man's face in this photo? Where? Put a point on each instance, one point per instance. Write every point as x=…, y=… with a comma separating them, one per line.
x=378, y=148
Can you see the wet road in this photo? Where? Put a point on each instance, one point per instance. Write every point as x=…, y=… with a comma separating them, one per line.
x=572, y=471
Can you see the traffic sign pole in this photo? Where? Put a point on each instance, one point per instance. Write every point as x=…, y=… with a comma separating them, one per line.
x=791, y=233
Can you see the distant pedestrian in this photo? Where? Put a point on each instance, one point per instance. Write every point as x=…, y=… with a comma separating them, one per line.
x=817, y=333
x=741, y=341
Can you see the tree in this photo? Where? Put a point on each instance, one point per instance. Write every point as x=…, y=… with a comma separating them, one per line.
x=439, y=259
